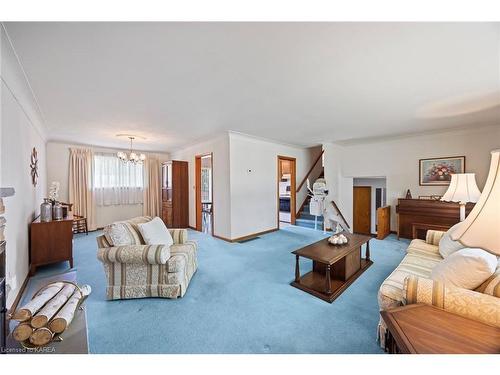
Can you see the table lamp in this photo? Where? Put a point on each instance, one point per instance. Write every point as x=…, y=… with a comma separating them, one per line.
x=462, y=189
x=482, y=226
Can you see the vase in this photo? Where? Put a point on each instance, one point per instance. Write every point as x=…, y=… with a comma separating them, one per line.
x=46, y=210
x=57, y=211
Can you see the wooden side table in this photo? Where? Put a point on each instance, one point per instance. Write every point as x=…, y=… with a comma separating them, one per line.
x=425, y=329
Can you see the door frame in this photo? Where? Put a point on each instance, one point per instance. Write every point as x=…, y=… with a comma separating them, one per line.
x=293, y=187
x=369, y=211
x=197, y=184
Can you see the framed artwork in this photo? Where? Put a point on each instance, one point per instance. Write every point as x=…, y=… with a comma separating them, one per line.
x=438, y=171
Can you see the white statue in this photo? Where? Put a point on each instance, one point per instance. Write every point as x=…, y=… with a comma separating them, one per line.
x=54, y=191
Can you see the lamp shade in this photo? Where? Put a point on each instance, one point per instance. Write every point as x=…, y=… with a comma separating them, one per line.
x=481, y=228
x=462, y=189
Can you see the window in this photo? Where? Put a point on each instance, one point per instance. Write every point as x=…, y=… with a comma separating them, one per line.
x=206, y=184
x=116, y=182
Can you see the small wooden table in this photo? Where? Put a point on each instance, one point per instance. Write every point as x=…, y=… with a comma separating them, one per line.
x=335, y=267
x=425, y=329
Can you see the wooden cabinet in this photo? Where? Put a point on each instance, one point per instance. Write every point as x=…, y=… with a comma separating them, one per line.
x=51, y=242
x=175, y=194
x=426, y=211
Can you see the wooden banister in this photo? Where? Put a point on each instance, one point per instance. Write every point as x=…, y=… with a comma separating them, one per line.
x=340, y=213
x=309, y=171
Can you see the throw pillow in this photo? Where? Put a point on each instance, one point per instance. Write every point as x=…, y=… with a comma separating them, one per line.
x=467, y=268
x=118, y=235
x=446, y=245
x=155, y=232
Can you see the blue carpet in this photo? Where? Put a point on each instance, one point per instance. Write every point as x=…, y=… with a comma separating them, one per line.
x=239, y=301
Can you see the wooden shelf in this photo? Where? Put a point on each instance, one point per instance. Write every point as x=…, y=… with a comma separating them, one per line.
x=314, y=283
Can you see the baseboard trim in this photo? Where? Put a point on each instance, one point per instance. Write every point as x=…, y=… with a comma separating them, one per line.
x=247, y=237
x=253, y=235
x=221, y=238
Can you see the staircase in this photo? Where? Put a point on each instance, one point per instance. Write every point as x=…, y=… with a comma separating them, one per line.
x=304, y=218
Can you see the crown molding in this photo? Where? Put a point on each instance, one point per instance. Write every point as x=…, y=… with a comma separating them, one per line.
x=401, y=136
x=39, y=123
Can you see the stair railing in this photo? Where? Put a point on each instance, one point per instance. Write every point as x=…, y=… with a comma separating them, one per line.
x=309, y=171
x=336, y=208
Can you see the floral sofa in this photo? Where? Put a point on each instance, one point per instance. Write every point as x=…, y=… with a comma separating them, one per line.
x=136, y=270
x=410, y=283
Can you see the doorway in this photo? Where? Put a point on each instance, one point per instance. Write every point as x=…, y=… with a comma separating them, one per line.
x=378, y=201
x=204, y=193
x=362, y=209
x=286, y=191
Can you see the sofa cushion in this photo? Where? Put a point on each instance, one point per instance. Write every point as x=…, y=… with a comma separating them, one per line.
x=155, y=232
x=446, y=245
x=467, y=268
x=123, y=233
x=391, y=291
x=424, y=249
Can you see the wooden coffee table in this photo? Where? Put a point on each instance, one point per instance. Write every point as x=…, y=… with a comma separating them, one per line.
x=425, y=329
x=335, y=267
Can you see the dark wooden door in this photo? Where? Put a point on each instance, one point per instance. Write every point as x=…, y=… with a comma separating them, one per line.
x=362, y=204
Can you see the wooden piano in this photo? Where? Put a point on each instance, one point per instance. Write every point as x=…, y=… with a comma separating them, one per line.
x=416, y=216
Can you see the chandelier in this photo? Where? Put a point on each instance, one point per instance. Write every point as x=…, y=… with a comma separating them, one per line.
x=132, y=157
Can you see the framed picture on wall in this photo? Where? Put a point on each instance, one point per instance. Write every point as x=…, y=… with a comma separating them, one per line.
x=438, y=171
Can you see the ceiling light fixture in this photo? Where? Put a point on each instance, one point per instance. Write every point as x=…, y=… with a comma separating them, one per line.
x=132, y=157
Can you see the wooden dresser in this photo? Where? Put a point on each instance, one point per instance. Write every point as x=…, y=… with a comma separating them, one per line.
x=175, y=194
x=51, y=242
x=426, y=212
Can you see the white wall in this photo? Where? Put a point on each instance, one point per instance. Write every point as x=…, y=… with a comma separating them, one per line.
x=339, y=186
x=21, y=130
x=219, y=146
x=58, y=170
x=398, y=160
x=253, y=168
x=244, y=202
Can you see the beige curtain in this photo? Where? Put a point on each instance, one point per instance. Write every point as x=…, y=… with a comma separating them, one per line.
x=152, y=189
x=80, y=184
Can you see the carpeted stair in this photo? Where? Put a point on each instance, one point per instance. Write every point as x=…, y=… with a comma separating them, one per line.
x=306, y=220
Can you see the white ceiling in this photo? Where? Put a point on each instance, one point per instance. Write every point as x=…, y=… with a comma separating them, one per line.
x=299, y=83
